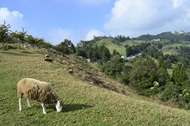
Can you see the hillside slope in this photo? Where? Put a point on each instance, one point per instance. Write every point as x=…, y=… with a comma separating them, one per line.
x=108, y=42
x=111, y=46
x=85, y=103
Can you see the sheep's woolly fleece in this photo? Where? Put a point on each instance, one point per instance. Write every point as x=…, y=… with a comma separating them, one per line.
x=37, y=90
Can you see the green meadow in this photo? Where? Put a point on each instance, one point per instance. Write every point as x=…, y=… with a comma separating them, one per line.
x=86, y=104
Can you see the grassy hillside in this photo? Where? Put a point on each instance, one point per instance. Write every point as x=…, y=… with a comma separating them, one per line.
x=111, y=46
x=168, y=48
x=120, y=47
x=85, y=103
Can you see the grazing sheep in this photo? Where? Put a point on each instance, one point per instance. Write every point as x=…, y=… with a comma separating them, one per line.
x=48, y=59
x=70, y=71
x=47, y=56
x=43, y=92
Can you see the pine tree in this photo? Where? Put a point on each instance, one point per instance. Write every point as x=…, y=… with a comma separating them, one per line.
x=73, y=48
x=105, y=54
x=179, y=74
x=96, y=53
x=162, y=64
x=162, y=73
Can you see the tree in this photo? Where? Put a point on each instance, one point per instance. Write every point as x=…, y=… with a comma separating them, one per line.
x=66, y=47
x=162, y=73
x=14, y=37
x=143, y=75
x=105, y=55
x=96, y=53
x=114, y=67
x=21, y=36
x=4, y=33
x=159, y=46
x=115, y=53
x=154, y=52
x=73, y=49
x=80, y=52
x=128, y=50
x=179, y=74
x=90, y=53
x=30, y=39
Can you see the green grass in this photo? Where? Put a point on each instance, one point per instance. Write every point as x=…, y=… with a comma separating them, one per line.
x=119, y=47
x=111, y=46
x=85, y=104
x=172, y=48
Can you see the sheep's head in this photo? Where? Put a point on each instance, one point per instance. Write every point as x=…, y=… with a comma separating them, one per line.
x=59, y=106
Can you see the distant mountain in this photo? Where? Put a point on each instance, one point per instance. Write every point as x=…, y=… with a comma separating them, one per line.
x=166, y=35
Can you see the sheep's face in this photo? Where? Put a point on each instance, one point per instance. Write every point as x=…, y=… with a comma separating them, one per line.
x=59, y=106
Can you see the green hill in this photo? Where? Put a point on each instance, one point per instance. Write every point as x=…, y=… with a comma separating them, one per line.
x=111, y=46
x=168, y=40
x=85, y=92
x=120, y=47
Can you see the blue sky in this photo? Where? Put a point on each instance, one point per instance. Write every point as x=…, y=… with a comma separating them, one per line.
x=56, y=20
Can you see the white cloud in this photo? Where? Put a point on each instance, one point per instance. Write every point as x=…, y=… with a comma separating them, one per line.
x=90, y=35
x=93, y=2
x=14, y=18
x=58, y=35
x=135, y=17
x=177, y=3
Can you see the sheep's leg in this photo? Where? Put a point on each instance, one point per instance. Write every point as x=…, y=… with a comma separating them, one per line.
x=43, y=107
x=20, y=106
x=28, y=102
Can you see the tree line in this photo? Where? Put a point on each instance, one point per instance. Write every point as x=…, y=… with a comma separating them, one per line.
x=173, y=37
x=99, y=54
x=13, y=39
x=8, y=37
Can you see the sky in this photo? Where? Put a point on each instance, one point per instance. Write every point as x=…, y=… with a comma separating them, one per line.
x=56, y=20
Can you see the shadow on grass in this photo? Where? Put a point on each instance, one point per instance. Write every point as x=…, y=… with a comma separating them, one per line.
x=75, y=107
x=66, y=108
x=23, y=53
x=12, y=53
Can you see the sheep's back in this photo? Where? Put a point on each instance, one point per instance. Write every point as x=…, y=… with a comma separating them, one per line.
x=37, y=90
x=24, y=85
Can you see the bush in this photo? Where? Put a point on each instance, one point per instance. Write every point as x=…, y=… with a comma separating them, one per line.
x=171, y=92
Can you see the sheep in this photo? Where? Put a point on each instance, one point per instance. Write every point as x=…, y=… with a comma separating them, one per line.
x=47, y=56
x=48, y=59
x=43, y=92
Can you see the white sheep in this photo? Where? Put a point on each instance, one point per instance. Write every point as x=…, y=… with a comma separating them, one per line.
x=43, y=92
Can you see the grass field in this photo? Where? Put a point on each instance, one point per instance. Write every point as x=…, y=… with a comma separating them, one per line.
x=119, y=47
x=111, y=46
x=85, y=104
